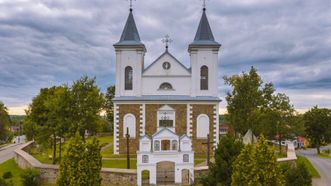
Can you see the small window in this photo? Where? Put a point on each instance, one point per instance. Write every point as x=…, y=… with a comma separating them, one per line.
x=186, y=158
x=145, y=159
x=174, y=145
x=156, y=145
x=166, y=86
x=128, y=78
x=204, y=78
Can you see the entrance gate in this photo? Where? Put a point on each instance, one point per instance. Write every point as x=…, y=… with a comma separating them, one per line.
x=165, y=173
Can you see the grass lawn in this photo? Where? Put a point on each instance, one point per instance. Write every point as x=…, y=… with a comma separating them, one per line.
x=10, y=165
x=323, y=155
x=313, y=172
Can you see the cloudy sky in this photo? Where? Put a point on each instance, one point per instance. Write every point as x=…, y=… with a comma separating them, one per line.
x=52, y=42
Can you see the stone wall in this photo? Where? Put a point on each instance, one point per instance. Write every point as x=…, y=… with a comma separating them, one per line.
x=151, y=118
x=48, y=173
x=134, y=143
x=198, y=109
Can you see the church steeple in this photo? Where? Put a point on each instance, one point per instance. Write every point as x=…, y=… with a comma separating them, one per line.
x=204, y=34
x=130, y=35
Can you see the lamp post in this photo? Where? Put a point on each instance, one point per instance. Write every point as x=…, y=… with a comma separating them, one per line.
x=127, y=135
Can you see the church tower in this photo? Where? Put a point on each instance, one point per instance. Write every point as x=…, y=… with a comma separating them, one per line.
x=204, y=60
x=130, y=52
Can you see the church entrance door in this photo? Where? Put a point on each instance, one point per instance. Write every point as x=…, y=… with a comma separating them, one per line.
x=165, y=173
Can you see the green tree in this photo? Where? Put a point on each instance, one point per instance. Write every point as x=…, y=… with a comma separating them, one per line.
x=4, y=122
x=86, y=105
x=247, y=97
x=48, y=117
x=226, y=153
x=257, y=165
x=318, y=126
x=81, y=164
x=109, y=106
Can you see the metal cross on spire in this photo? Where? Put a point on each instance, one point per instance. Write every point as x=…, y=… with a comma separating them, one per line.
x=166, y=40
x=130, y=4
x=204, y=4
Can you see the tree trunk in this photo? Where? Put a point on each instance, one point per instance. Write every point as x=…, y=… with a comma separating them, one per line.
x=280, y=144
x=318, y=150
x=54, y=149
x=60, y=150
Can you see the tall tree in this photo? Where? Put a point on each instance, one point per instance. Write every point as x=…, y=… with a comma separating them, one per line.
x=247, y=97
x=226, y=153
x=109, y=105
x=86, y=105
x=318, y=126
x=4, y=122
x=257, y=165
x=47, y=116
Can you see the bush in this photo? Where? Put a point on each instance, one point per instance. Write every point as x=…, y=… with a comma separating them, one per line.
x=30, y=177
x=3, y=182
x=7, y=175
x=296, y=175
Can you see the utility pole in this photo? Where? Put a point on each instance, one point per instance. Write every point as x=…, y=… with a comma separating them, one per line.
x=127, y=135
x=208, y=148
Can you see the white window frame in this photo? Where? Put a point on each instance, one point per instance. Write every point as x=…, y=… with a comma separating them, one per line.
x=125, y=125
x=198, y=135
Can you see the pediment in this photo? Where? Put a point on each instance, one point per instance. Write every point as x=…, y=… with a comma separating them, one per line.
x=165, y=133
x=166, y=65
x=166, y=108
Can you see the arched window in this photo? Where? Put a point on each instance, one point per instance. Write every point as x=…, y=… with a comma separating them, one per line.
x=186, y=158
x=204, y=78
x=166, y=86
x=156, y=145
x=202, y=126
x=129, y=122
x=174, y=145
x=128, y=78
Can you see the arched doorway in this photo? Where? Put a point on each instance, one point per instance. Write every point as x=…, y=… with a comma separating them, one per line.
x=165, y=173
x=145, y=177
x=185, y=177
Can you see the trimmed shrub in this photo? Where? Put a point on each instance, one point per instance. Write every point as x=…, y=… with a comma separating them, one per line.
x=30, y=177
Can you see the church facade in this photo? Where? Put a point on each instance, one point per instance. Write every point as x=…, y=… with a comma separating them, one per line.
x=166, y=94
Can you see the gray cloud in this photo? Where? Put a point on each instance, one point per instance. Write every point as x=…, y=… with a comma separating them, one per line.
x=47, y=42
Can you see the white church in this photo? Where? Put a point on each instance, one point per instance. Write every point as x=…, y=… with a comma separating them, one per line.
x=167, y=109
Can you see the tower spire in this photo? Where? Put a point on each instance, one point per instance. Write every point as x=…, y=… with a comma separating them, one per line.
x=204, y=5
x=130, y=5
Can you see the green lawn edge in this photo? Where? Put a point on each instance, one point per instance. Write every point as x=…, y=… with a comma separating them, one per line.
x=313, y=172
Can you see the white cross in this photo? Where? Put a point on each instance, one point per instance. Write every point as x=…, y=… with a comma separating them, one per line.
x=167, y=40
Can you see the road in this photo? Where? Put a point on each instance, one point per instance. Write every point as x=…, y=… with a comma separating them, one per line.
x=7, y=152
x=323, y=166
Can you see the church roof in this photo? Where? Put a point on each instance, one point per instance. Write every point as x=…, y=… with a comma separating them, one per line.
x=130, y=35
x=204, y=35
x=166, y=98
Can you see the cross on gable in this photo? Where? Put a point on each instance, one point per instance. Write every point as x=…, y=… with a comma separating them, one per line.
x=166, y=40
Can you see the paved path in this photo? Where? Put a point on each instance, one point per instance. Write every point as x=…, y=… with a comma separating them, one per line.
x=323, y=166
x=7, y=152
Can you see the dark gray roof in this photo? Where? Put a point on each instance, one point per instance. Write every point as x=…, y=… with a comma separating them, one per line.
x=166, y=98
x=204, y=35
x=130, y=35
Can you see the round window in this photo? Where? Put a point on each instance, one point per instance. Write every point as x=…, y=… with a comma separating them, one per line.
x=166, y=65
